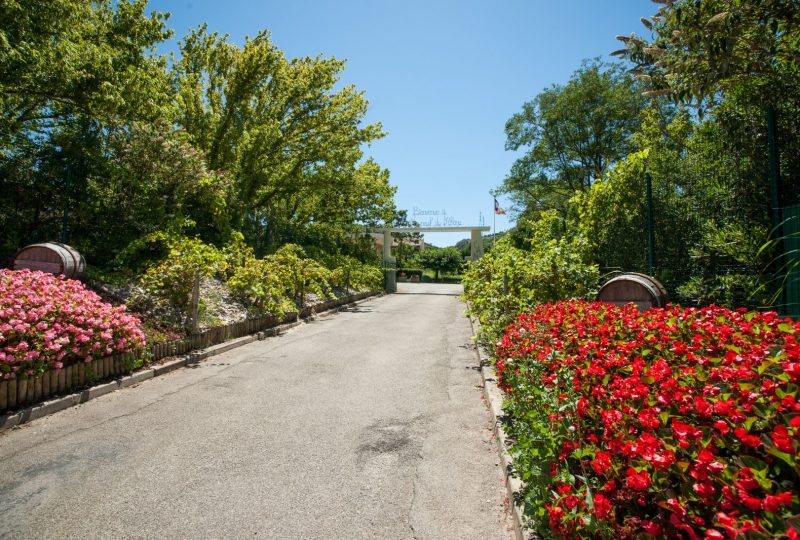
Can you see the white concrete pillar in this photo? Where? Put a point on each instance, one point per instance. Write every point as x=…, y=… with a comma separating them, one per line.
x=475, y=245
x=387, y=245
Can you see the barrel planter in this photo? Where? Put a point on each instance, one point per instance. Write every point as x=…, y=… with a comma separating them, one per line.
x=640, y=289
x=51, y=257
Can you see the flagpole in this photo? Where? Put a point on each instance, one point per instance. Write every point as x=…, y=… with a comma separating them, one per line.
x=494, y=224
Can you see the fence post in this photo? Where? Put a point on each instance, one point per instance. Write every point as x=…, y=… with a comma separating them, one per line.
x=648, y=187
x=195, y=303
x=775, y=203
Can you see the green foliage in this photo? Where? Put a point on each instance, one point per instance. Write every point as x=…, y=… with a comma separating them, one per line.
x=349, y=273
x=301, y=274
x=171, y=280
x=508, y=280
x=62, y=58
x=444, y=260
x=262, y=285
x=572, y=134
x=701, y=48
x=732, y=59
x=100, y=133
x=291, y=139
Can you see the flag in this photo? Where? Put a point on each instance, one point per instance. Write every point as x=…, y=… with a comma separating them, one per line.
x=497, y=209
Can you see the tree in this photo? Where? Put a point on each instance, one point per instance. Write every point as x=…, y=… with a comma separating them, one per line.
x=734, y=60
x=71, y=74
x=62, y=58
x=101, y=143
x=572, y=134
x=291, y=141
x=701, y=48
x=401, y=220
x=612, y=214
x=443, y=260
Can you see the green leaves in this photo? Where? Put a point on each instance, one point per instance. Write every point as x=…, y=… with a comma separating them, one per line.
x=231, y=137
x=507, y=280
x=442, y=260
x=572, y=134
x=292, y=140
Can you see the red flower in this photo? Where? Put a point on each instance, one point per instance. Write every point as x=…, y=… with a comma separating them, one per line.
x=637, y=481
x=601, y=462
x=602, y=506
x=746, y=438
x=782, y=440
x=704, y=489
x=671, y=392
x=773, y=503
x=753, y=503
x=722, y=427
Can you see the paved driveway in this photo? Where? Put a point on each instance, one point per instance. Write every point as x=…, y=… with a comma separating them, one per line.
x=367, y=424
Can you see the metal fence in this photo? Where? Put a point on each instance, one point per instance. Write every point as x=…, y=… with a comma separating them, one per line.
x=791, y=247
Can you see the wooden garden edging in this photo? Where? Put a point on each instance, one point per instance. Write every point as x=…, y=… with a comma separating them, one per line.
x=18, y=393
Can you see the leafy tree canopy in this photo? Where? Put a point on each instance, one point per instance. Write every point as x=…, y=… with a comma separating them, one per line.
x=700, y=48
x=571, y=134
x=443, y=260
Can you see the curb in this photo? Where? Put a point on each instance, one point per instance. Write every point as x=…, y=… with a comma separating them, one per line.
x=40, y=410
x=494, y=398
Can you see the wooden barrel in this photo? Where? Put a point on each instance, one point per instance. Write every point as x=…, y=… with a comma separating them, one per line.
x=643, y=290
x=52, y=257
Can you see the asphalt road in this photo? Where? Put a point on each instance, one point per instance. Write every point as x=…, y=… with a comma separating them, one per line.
x=366, y=424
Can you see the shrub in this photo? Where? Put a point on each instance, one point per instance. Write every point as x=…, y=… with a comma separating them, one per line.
x=674, y=423
x=47, y=320
x=350, y=273
x=300, y=274
x=262, y=284
x=170, y=281
x=508, y=281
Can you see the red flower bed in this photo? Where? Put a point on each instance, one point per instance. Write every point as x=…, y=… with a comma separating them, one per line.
x=675, y=423
x=46, y=320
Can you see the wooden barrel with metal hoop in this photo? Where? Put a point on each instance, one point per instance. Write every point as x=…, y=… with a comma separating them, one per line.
x=643, y=290
x=51, y=257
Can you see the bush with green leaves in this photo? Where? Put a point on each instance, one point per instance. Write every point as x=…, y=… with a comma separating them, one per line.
x=444, y=260
x=300, y=274
x=349, y=273
x=169, y=282
x=261, y=284
x=508, y=281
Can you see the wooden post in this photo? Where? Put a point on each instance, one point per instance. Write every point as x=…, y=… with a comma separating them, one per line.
x=195, y=304
x=37, y=388
x=3, y=395
x=68, y=377
x=46, y=384
x=12, y=393
x=22, y=391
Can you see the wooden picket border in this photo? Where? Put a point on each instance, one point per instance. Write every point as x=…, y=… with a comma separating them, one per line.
x=18, y=393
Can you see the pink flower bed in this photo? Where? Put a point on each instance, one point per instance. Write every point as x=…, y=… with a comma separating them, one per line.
x=46, y=320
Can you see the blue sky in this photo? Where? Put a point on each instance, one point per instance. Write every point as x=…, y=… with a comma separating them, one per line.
x=443, y=76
